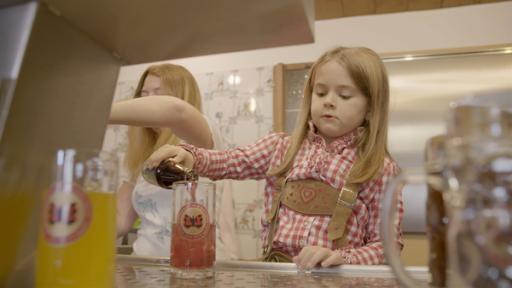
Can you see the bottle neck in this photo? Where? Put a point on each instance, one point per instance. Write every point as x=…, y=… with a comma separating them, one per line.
x=190, y=175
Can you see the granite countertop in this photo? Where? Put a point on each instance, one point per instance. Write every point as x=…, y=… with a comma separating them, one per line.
x=144, y=272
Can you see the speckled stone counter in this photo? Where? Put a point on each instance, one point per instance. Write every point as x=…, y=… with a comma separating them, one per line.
x=154, y=272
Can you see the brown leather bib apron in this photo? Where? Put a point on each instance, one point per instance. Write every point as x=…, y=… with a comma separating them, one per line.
x=311, y=197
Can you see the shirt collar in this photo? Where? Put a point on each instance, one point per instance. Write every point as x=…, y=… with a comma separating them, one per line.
x=340, y=143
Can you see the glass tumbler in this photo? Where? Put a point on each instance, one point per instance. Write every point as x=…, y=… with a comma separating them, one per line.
x=193, y=229
x=76, y=245
x=19, y=179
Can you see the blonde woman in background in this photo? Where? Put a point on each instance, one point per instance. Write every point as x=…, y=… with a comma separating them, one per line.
x=325, y=181
x=157, y=119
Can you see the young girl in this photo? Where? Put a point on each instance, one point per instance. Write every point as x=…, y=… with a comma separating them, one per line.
x=325, y=181
x=171, y=118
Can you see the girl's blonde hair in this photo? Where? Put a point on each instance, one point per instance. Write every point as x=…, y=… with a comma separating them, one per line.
x=176, y=81
x=369, y=74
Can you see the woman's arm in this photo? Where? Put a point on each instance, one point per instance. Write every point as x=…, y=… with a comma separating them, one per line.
x=164, y=112
x=125, y=213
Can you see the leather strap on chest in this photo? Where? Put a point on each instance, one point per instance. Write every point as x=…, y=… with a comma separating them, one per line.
x=336, y=230
x=272, y=218
x=310, y=197
x=314, y=198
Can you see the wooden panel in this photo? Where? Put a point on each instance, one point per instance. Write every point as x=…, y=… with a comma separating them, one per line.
x=415, y=252
x=390, y=6
x=423, y=4
x=454, y=3
x=281, y=91
x=360, y=7
x=491, y=1
x=327, y=9
x=279, y=98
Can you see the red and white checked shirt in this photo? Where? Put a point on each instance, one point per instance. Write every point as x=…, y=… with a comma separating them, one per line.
x=315, y=160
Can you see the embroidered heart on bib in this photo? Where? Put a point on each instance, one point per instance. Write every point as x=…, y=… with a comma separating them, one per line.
x=307, y=194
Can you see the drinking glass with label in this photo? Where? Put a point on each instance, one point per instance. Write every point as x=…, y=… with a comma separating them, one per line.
x=192, y=219
x=76, y=245
x=193, y=229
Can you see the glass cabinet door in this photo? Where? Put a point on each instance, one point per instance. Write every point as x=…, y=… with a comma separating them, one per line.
x=289, y=80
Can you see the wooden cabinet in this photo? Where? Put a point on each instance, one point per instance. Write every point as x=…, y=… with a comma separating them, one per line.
x=289, y=80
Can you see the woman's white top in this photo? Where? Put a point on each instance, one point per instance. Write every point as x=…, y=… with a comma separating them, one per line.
x=152, y=204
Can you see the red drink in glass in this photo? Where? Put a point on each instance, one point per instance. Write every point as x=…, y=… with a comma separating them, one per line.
x=187, y=253
x=193, y=229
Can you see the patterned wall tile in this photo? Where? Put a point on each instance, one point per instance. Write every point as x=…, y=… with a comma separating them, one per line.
x=240, y=103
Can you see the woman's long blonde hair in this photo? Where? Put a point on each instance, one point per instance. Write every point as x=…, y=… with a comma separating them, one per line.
x=370, y=76
x=176, y=81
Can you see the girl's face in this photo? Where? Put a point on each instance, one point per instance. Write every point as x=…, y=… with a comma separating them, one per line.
x=337, y=105
x=152, y=86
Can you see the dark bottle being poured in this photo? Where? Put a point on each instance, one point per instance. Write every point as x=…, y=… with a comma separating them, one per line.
x=168, y=172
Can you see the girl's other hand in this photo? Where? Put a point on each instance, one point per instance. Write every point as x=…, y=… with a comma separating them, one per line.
x=175, y=153
x=311, y=256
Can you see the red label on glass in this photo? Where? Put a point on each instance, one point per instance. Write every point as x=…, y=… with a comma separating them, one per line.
x=67, y=215
x=193, y=220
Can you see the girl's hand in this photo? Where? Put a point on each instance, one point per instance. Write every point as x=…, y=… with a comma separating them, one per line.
x=175, y=153
x=311, y=256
